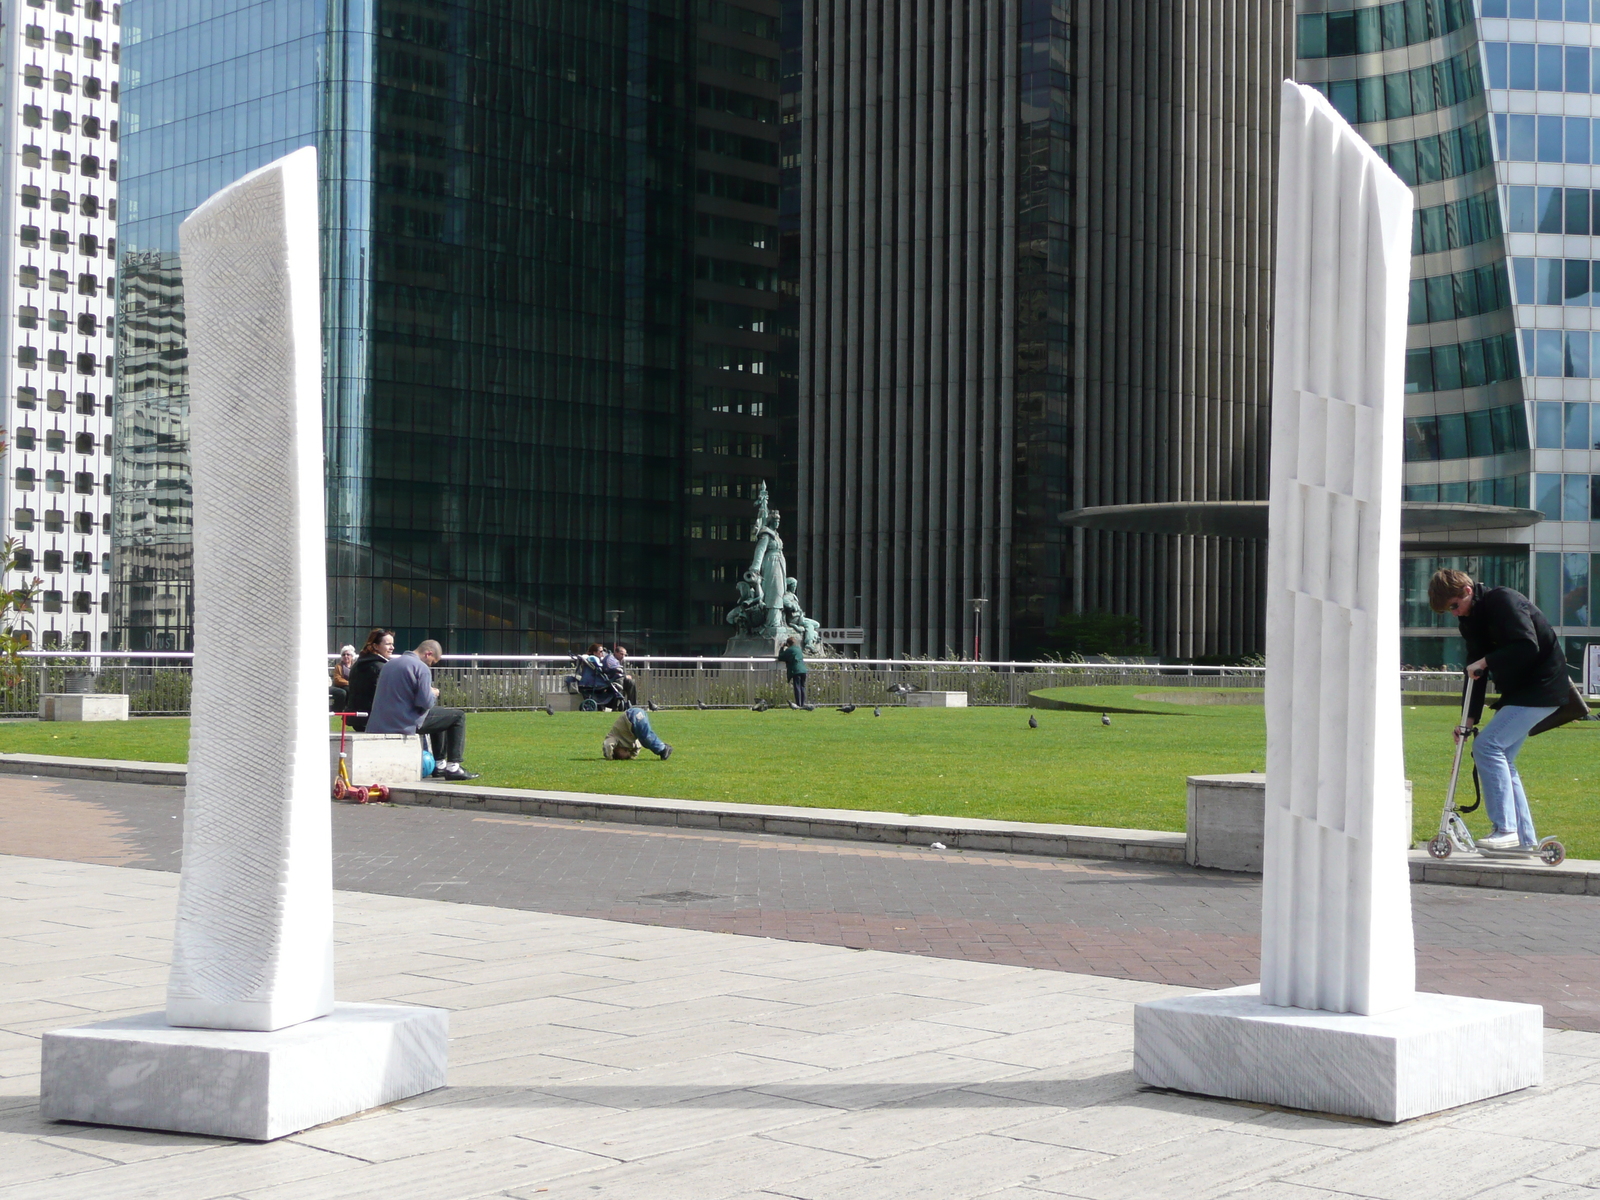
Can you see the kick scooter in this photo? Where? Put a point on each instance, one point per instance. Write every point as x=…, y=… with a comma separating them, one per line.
x=1453, y=833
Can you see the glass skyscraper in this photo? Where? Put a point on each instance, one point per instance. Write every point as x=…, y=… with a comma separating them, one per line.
x=1491, y=115
x=549, y=250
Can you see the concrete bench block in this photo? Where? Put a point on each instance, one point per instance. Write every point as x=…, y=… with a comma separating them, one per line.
x=936, y=699
x=1227, y=820
x=388, y=758
x=98, y=706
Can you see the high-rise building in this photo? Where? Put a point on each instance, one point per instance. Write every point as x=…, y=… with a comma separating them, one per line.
x=58, y=216
x=1493, y=118
x=1035, y=246
x=549, y=265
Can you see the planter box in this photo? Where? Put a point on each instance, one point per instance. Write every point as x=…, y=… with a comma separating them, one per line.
x=389, y=758
x=1227, y=821
x=99, y=706
x=936, y=699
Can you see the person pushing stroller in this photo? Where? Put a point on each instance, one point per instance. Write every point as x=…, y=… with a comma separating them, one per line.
x=1508, y=638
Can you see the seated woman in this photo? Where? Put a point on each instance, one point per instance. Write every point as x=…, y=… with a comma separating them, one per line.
x=379, y=648
x=340, y=691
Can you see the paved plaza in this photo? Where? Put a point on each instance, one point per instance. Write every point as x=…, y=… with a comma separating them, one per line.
x=634, y=1057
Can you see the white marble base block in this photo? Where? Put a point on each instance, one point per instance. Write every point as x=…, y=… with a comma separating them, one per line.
x=388, y=758
x=936, y=700
x=96, y=706
x=141, y=1072
x=1433, y=1054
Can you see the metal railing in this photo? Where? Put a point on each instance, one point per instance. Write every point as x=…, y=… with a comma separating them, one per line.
x=157, y=684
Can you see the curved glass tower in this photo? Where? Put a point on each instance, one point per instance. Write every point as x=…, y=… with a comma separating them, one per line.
x=1491, y=112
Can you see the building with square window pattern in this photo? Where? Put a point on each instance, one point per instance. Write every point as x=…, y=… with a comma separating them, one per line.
x=60, y=126
x=553, y=330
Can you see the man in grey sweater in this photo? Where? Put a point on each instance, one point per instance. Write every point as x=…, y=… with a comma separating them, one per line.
x=405, y=702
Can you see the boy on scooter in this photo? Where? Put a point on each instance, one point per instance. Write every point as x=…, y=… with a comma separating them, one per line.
x=1509, y=638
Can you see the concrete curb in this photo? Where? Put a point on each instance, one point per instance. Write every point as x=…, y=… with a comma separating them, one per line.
x=1575, y=877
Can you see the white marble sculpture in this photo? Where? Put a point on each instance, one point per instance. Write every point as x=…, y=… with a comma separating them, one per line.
x=1336, y=1023
x=254, y=942
x=252, y=1044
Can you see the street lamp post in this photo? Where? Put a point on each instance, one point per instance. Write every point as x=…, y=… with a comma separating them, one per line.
x=615, y=617
x=977, y=616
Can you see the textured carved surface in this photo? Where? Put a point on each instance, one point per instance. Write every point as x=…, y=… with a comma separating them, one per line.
x=1336, y=908
x=253, y=947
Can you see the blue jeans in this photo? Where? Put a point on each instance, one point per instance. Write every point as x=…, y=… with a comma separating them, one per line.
x=1495, y=752
x=640, y=720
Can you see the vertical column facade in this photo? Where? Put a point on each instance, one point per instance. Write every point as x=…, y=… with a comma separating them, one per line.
x=1175, y=124
x=907, y=349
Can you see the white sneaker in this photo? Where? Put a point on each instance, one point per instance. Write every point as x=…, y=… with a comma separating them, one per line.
x=1501, y=841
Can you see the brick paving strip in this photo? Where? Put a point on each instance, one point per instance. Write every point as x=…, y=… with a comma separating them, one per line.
x=635, y=1062
x=1140, y=921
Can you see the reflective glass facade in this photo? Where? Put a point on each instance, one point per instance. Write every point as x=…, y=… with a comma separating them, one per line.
x=1490, y=111
x=549, y=244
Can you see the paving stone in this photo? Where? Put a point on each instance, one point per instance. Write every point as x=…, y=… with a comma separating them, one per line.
x=1212, y=1163
x=1129, y=1124
x=1441, y=1163
x=966, y=1166
x=739, y=1164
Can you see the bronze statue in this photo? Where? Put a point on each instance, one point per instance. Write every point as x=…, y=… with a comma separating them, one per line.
x=768, y=606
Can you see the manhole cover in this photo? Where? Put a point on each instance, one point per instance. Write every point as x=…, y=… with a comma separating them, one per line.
x=679, y=897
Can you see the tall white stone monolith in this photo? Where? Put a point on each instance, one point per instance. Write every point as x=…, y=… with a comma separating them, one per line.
x=1337, y=1024
x=251, y=1043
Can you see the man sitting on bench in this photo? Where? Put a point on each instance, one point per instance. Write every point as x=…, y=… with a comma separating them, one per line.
x=405, y=702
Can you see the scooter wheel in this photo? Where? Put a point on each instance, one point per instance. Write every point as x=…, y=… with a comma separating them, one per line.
x=339, y=789
x=1552, y=852
x=1440, y=847
x=377, y=792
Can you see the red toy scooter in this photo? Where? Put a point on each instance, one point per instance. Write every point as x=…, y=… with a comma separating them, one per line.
x=343, y=789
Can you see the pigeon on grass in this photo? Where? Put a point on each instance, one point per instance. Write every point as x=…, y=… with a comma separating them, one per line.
x=1033, y=721
x=760, y=705
x=1104, y=720
x=549, y=709
x=847, y=708
x=653, y=706
x=876, y=711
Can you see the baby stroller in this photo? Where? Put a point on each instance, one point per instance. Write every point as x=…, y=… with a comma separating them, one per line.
x=598, y=689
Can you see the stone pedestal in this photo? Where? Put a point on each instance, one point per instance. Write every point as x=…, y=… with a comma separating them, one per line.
x=753, y=647
x=564, y=701
x=936, y=699
x=1436, y=1053
x=141, y=1072
x=100, y=706
x=1227, y=821
x=387, y=758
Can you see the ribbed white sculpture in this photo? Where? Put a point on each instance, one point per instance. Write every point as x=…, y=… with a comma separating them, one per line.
x=254, y=941
x=1336, y=908
x=252, y=1044
x=1336, y=1024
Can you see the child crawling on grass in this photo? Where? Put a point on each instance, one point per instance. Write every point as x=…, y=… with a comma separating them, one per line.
x=632, y=728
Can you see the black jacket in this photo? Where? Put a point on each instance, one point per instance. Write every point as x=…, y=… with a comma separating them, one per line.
x=363, y=686
x=1524, y=656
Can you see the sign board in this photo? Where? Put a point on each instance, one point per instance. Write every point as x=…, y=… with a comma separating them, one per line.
x=844, y=637
x=1591, y=669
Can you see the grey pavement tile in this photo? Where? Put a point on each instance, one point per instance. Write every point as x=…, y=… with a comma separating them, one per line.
x=896, y=1128
x=124, y=1145
x=667, y=1084
x=965, y=1166
x=680, y=1046
x=1581, y=1042
x=1212, y=1163
x=1442, y=1162
x=1339, y=1133
x=1088, y=1081
x=1582, y=1169
x=1042, y=1011
x=736, y=1165
x=1068, y=1043
x=501, y=1164
x=1129, y=1124
x=927, y=1078
x=26, y=1161
x=523, y=1071
x=666, y=1018
x=403, y=1132
x=514, y=1041
x=860, y=1012
x=634, y=1134
x=890, y=1040
x=208, y=1173
x=1570, y=1115
x=831, y=989
x=1537, y=1189
x=461, y=997
x=523, y=1014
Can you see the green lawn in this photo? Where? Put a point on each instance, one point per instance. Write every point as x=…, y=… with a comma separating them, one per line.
x=975, y=762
